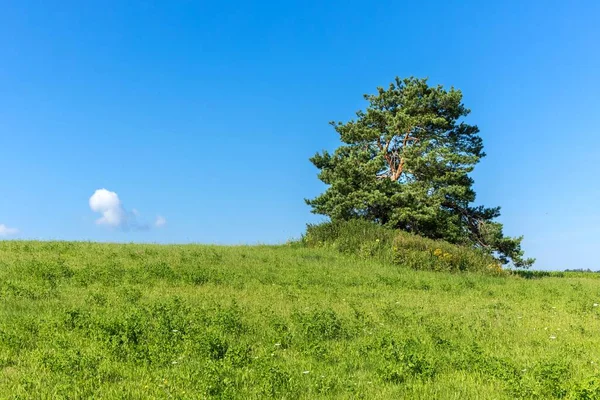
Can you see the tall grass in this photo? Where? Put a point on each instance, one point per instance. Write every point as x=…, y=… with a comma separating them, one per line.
x=369, y=240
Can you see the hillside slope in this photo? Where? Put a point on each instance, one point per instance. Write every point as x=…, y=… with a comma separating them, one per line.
x=149, y=321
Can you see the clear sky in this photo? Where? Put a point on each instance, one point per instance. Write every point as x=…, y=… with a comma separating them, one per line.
x=199, y=117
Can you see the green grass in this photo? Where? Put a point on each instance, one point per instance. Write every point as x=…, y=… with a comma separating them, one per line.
x=85, y=320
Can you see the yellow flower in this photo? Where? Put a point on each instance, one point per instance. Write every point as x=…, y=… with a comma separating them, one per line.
x=438, y=252
x=496, y=267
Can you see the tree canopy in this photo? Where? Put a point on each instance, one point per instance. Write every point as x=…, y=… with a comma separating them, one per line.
x=405, y=161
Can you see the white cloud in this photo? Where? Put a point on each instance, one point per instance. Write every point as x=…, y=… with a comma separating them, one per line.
x=114, y=215
x=6, y=231
x=109, y=205
x=160, y=221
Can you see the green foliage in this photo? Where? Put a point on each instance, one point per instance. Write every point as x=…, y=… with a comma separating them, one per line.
x=321, y=325
x=85, y=320
x=436, y=255
x=534, y=274
x=370, y=240
x=358, y=237
x=405, y=360
x=589, y=390
x=405, y=163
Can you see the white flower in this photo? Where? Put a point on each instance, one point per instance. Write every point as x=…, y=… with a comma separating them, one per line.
x=595, y=304
x=552, y=337
x=277, y=344
x=305, y=372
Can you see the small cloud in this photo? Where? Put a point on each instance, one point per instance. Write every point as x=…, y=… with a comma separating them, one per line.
x=109, y=205
x=6, y=231
x=160, y=221
x=114, y=215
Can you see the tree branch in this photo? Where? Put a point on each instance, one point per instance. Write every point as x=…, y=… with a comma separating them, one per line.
x=400, y=168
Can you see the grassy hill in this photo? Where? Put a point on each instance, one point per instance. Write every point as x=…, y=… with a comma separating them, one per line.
x=82, y=320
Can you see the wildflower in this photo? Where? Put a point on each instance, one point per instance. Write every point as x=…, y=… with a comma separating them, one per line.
x=174, y=331
x=595, y=304
x=277, y=344
x=305, y=372
x=377, y=240
x=174, y=362
x=552, y=337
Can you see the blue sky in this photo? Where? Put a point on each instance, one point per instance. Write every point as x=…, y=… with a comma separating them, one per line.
x=205, y=114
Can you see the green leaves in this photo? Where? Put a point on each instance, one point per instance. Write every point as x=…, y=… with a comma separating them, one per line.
x=404, y=162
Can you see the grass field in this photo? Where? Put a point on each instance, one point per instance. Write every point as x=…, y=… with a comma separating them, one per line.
x=85, y=320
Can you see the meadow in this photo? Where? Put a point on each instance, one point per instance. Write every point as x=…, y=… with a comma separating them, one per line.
x=136, y=321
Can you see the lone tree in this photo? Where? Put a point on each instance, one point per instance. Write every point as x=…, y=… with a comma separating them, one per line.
x=405, y=163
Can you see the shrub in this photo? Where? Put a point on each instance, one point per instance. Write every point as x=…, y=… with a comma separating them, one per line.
x=426, y=254
x=357, y=237
x=369, y=240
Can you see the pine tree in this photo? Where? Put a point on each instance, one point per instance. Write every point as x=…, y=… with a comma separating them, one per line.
x=405, y=163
